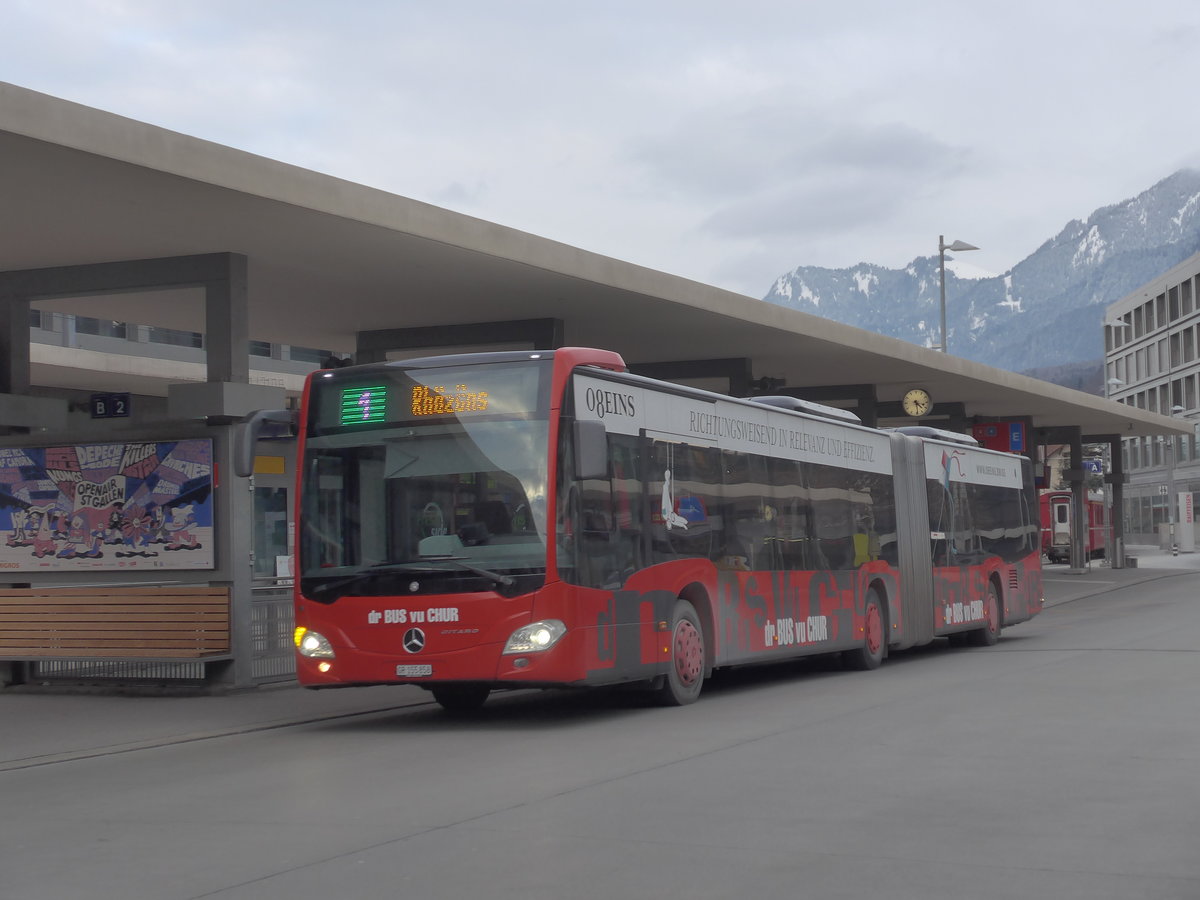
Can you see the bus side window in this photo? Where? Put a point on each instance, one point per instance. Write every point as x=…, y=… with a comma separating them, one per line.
x=600, y=541
x=791, y=534
x=748, y=515
x=687, y=521
x=833, y=515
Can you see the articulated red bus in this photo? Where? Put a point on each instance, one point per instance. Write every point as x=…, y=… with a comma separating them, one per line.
x=1057, y=525
x=506, y=520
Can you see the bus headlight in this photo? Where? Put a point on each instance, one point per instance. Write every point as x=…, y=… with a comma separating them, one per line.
x=312, y=644
x=535, y=637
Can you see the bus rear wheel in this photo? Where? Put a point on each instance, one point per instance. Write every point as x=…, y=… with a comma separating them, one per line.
x=874, y=640
x=989, y=633
x=460, y=698
x=685, y=674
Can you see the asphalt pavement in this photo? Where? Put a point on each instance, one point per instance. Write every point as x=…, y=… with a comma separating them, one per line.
x=43, y=727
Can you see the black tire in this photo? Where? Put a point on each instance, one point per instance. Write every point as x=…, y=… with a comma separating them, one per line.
x=989, y=633
x=685, y=675
x=461, y=698
x=869, y=655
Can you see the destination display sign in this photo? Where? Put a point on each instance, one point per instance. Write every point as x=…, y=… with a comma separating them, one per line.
x=353, y=400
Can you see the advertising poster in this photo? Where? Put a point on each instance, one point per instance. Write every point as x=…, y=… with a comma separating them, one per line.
x=107, y=507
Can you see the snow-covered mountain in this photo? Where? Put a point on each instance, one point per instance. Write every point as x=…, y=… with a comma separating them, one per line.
x=1045, y=311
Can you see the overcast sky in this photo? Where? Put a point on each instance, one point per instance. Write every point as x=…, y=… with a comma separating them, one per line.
x=728, y=142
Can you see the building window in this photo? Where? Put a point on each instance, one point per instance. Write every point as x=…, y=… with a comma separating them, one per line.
x=309, y=355
x=99, y=327
x=175, y=338
x=260, y=348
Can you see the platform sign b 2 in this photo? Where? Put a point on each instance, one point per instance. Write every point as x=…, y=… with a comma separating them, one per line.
x=110, y=406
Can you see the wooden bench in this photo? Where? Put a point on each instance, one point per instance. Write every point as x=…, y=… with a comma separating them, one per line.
x=183, y=622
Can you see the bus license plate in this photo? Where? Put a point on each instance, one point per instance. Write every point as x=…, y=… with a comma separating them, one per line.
x=414, y=671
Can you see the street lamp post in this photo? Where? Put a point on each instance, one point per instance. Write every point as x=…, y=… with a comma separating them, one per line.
x=956, y=247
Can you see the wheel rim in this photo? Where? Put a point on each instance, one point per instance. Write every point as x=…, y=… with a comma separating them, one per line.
x=689, y=653
x=874, y=629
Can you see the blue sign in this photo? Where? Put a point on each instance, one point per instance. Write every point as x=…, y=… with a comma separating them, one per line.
x=1095, y=466
x=1016, y=437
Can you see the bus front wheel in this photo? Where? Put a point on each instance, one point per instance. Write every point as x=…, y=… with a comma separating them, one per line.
x=685, y=672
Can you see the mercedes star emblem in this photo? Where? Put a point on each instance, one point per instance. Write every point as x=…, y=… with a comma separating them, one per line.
x=414, y=640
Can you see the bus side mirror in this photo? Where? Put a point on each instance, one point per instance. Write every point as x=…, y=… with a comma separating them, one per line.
x=591, y=450
x=247, y=432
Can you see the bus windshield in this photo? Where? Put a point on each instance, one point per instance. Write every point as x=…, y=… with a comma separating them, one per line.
x=433, y=496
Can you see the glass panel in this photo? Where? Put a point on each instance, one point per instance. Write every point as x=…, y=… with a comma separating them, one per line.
x=270, y=528
x=309, y=355
x=174, y=337
x=99, y=327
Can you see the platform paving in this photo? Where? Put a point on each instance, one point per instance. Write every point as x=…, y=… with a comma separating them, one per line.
x=43, y=726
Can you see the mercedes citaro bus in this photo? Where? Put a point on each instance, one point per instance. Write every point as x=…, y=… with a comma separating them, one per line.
x=511, y=520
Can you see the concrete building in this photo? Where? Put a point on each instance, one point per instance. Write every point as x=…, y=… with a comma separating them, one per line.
x=1152, y=337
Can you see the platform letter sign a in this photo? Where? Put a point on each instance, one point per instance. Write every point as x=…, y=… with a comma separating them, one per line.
x=110, y=406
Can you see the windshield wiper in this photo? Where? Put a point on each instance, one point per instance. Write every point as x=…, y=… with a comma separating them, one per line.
x=506, y=580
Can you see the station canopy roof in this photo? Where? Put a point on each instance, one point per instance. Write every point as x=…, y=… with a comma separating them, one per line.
x=329, y=258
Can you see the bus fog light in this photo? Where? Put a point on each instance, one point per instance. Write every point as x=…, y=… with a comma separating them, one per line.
x=535, y=637
x=312, y=644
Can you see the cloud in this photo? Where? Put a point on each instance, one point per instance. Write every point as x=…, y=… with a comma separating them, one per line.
x=777, y=169
x=700, y=138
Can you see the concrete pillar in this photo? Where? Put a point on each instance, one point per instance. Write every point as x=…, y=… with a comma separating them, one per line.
x=227, y=323
x=1079, y=516
x=14, y=344
x=1114, y=499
